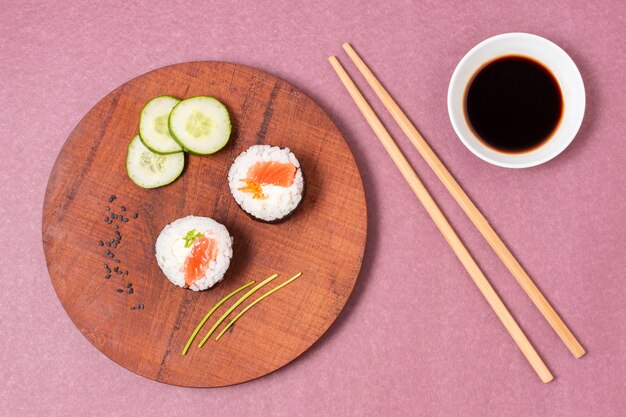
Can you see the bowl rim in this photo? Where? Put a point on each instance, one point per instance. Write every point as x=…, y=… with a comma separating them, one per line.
x=536, y=156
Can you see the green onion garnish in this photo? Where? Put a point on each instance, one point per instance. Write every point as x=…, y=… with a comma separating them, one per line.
x=191, y=237
x=270, y=292
x=234, y=306
x=215, y=307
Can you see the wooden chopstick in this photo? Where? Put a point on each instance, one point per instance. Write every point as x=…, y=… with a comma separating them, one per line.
x=468, y=207
x=444, y=227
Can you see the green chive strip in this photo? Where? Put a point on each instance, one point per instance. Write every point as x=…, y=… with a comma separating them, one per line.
x=270, y=292
x=191, y=237
x=215, y=307
x=234, y=306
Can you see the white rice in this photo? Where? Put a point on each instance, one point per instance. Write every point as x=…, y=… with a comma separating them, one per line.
x=280, y=201
x=171, y=252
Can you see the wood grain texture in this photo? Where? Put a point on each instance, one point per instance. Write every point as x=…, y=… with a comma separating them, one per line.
x=324, y=239
x=444, y=226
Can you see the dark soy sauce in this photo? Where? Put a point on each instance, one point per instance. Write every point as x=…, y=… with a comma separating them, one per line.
x=513, y=104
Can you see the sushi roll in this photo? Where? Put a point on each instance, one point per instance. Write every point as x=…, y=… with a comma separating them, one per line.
x=194, y=252
x=267, y=182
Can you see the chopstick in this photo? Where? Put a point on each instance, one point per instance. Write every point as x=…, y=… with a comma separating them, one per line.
x=444, y=227
x=468, y=207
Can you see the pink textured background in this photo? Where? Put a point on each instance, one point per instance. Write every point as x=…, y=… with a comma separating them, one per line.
x=416, y=337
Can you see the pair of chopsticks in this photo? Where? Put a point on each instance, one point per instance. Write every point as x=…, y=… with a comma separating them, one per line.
x=468, y=207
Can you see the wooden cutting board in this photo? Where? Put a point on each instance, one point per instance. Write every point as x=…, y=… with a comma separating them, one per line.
x=324, y=239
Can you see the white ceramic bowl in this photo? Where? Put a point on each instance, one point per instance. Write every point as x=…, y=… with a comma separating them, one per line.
x=553, y=58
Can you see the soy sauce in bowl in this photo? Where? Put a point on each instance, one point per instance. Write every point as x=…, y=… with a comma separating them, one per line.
x=513, y=104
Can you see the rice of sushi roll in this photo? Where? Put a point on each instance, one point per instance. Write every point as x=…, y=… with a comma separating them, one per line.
x=194, y=252
x=267, y=182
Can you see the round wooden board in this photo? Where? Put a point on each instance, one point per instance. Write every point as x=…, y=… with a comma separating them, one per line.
x=324, y=239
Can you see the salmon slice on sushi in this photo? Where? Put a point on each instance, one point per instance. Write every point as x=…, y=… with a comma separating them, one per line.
x=194, y=252
x=267, y=182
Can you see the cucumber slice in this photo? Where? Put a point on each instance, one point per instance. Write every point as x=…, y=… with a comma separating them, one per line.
x=150, y=170
x=153, y=129
x=201, y=125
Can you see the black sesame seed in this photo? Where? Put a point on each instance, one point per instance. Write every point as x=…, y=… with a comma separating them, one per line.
x=135, y=215
x=108, y=244
x=116, y=227
x=119, y=290
x=132, y=307
x=113, y=197
x=125, y=272
x=140, y=306
x=130, y=291
x=107, y=276
x=125, y=220
x=122, y=208
x=101, y=243
x=110, y=221
x=116, y=260
x=107, y=208
x=116, y=268
x=106, y=218
x=130, y=284
x=119, y=272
